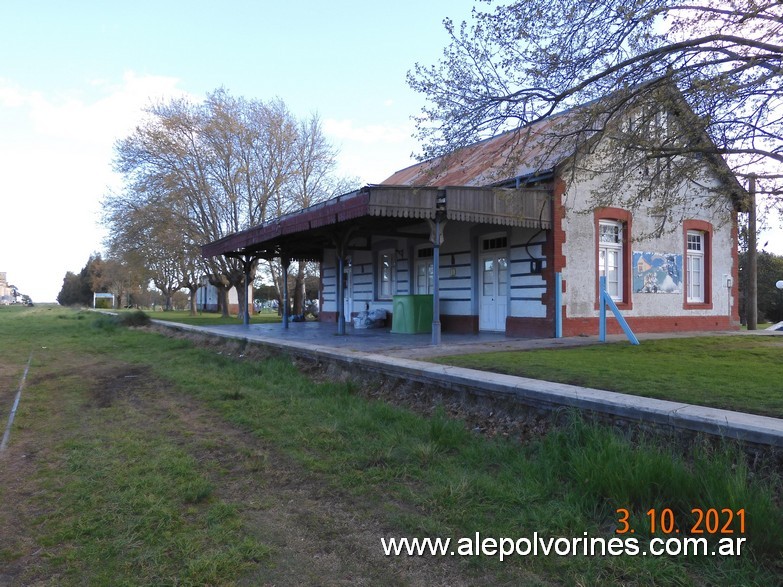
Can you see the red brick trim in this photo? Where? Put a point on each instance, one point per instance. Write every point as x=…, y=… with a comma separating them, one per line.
x=530, y=327
x=641, y=324
x=327, y=316
x=624, y=216
x=553, y=249
x=459, y=324
x=705, y=228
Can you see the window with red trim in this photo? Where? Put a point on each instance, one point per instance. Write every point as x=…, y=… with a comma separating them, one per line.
x=610, y=256
x=613, y=254
x=698, y=263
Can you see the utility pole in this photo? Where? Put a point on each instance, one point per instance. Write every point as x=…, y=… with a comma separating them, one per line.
x=751, y=301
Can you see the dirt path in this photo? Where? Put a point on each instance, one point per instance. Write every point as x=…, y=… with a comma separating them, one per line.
x=319, y=535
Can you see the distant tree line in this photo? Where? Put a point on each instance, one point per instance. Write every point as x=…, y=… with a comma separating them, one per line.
x=769, y=298
x=101, y=275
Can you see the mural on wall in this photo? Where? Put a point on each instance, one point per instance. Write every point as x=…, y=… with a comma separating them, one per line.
x=657, y=272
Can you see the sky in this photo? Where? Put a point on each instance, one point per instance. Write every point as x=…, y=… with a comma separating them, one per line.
x=75, y=77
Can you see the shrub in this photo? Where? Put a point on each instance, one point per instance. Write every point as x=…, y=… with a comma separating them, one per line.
x=136, y=318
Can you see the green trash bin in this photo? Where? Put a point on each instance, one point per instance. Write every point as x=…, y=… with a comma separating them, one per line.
x=412, y=314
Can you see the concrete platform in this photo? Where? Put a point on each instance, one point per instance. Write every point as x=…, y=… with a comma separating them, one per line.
x=398, y=356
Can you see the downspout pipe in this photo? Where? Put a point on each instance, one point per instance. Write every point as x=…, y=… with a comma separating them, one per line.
x=558, y=305
x=436, y=334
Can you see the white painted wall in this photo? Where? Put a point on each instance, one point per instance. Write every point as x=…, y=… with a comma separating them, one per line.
x=579, y=249
x=526, y=287
x=458, y=271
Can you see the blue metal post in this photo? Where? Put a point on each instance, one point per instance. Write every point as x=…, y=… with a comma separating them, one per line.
x=558, y=305
x=602, y=309
x=621, y=320
x=436, y=284
x=246, y=316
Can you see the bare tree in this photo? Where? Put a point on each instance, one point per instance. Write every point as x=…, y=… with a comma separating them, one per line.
x=197, y=161
x=167, y=167
x=315, y=160
x=195, y=173
x=712, y=72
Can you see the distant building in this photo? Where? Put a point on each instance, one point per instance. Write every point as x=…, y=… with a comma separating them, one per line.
x=7, y=294
x=207, y=298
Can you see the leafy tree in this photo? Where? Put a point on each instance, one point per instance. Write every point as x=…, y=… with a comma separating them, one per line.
x=769, y=299
x=70, y=292
x=669, y=82
x=79, y=289
x=315, y=160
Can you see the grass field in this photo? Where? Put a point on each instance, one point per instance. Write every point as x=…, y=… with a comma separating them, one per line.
x=139, y=459
x=742, y=373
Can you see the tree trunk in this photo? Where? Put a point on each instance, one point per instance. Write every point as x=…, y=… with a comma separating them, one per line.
x=223, y=301
x=193, y=309
x=241, y=297
x=299, y=290
x=278, y=285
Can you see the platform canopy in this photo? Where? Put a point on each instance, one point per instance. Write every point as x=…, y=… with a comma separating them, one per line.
x=383, y=210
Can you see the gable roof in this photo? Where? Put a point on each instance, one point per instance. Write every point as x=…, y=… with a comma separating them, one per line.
x=530, y=154
x=525, y=155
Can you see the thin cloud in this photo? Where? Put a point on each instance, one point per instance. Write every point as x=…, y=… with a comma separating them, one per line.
x=102, y=113
x=11, y=95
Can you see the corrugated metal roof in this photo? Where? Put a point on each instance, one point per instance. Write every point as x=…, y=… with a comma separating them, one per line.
x=524, y=152
x=334, y=211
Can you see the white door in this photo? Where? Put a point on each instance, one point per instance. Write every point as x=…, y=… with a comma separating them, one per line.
x=494, y=291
